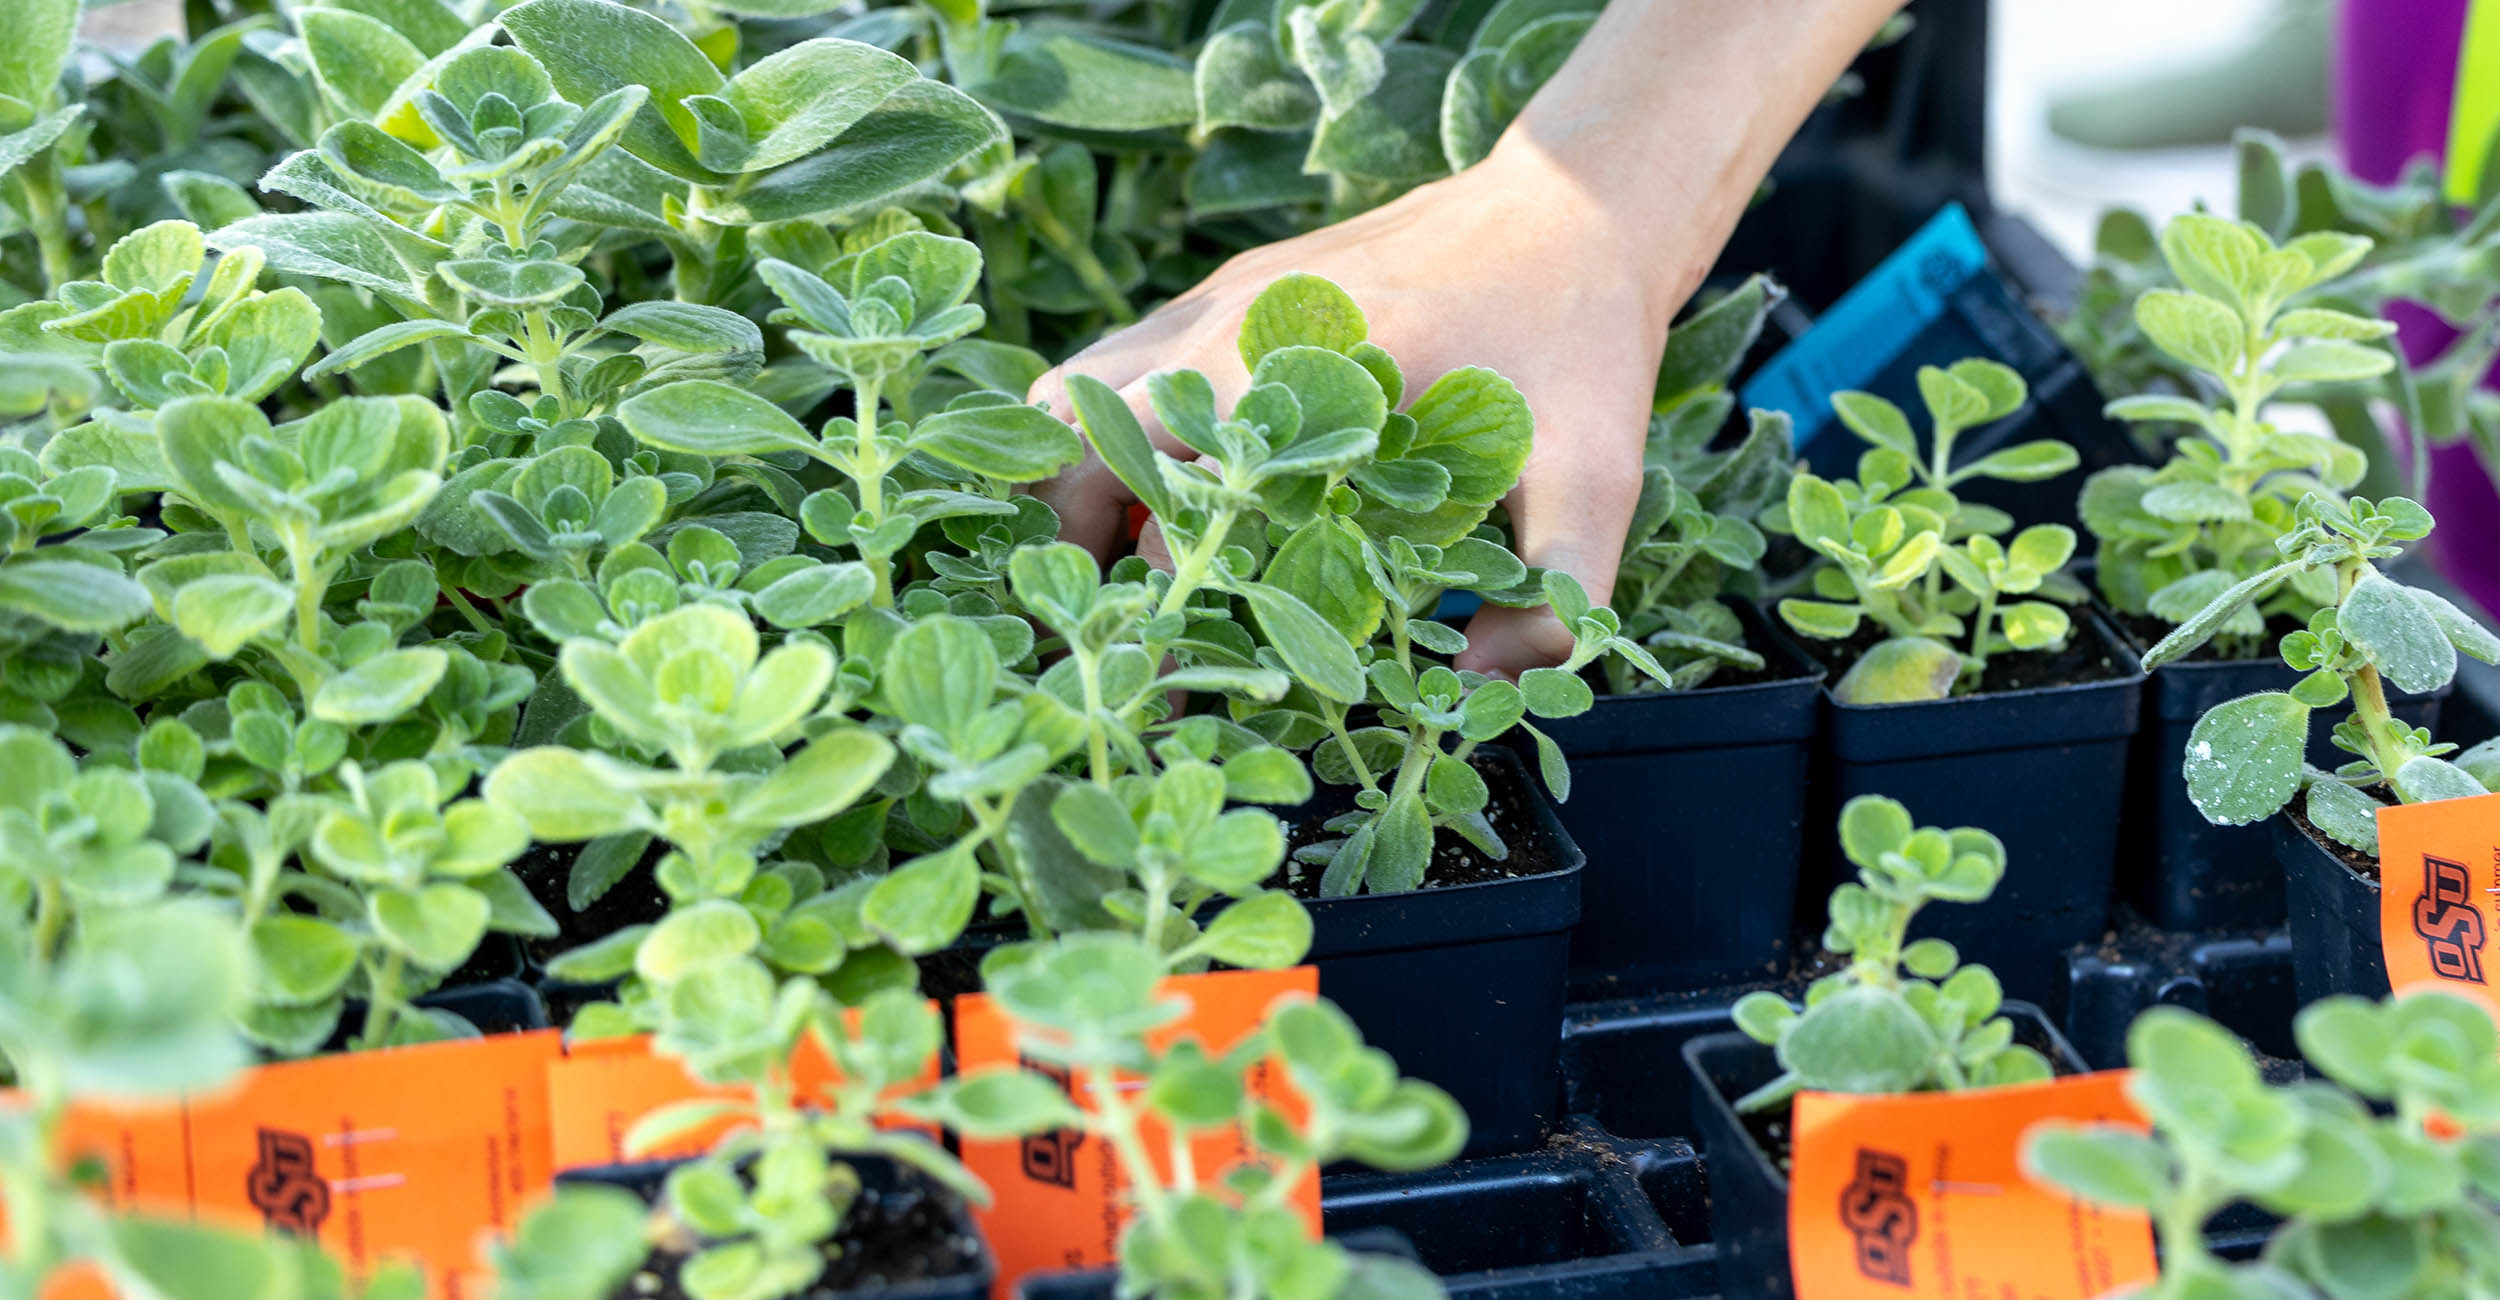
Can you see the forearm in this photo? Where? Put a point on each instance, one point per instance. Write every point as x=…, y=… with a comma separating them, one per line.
x=1670, y=113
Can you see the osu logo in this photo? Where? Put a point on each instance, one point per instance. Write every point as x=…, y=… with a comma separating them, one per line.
x=283, y=1185
x=1050, y=1157
x=2450, y=925
x=1876, y=1209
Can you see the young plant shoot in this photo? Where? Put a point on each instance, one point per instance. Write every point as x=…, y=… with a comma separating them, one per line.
x=2172, y=538
x=2381, y=1174
x=1903, y=1015
x=1897, y=547
x=2246, y=758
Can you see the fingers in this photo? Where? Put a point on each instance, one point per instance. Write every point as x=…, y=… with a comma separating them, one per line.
x=1569, y=513
x=1091, y=501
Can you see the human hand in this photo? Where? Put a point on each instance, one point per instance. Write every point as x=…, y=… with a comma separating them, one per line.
x=1507, y=266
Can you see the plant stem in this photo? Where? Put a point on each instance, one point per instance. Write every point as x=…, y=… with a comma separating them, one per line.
x=386, y=1001
x=1118, y=1125
x=1080, y=258
x=989, y=820
x=1097, y=741
x=460, y=601
x=1353, y=757
x=871, y=479
x=47, y=215
x=1976, y=662
x=2369, y=693
x=1190, y=569
x=50, y=916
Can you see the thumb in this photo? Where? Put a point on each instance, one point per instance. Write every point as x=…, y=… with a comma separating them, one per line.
x=1569, y=516
x=1504, y=642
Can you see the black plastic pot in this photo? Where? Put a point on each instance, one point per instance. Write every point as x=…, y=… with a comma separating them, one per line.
x=878, y=1177
x=505, y=1006
x=1463, y=984
x=1623, y=1064
x=2183, y=871
x=1748, y=1194
x=1690, y=806
x=1568, y=1224
x=2043, y=769
x=2244, y=985
x=2334, y=917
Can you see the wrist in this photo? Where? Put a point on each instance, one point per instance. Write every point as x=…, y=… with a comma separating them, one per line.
x=1658, y=245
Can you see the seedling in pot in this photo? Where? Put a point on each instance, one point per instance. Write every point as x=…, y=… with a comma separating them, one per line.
x=115, y=989
x=1088, y=1003
x=1903, y=1016
x=755, y=1215
x=2245, y=759
x=1889, y=539
x=691, y=685
x=2424, y=249
x=2373, y=1203
x=1693, y=541
x=2172, y=538
x=1373, y=514
x=899, y=299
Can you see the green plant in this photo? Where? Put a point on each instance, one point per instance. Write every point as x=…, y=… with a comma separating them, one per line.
x=1370, y=515
x=2423, y=249
x=2172, y=538
x=2373, y=1204
x=1693, y=541
x=1902, y=1016
x=2246, y=757
x=1087, y=1004
x=114, y=988
x=1888, y=539
x=690, y=684
x=35, y=118
x=580, y=1244
x=763, y=1204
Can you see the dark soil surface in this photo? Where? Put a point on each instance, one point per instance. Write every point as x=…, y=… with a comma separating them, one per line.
x=2147, y=631
x=2086, y=658
x=1512, y=811
x=900, y=1237
x=546, y=869
x=2362, y=864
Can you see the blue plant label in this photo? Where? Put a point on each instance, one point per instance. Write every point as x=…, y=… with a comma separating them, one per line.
x=1871, y=325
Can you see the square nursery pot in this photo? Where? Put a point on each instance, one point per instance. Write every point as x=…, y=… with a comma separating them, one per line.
x=1690, y=806
x=1463, y=984
x=2044, y=769
x=2334, y=918
x=1748, y=1192
x=1566, y=1224
x=2185, y=872
x=944, y=1255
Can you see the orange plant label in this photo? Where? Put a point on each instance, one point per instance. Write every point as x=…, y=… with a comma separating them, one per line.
x=2439, y=879
x=1059, y=1200
x=598, y=1090
x=406, y=1154
x=1923, y=1197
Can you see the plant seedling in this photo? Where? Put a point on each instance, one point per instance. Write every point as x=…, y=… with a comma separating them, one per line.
x=1087, y=1003
x=1903, y=1016
x=1889, y=539
x=2246, y=758
x=2174, y=537
x=2372, y=1203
